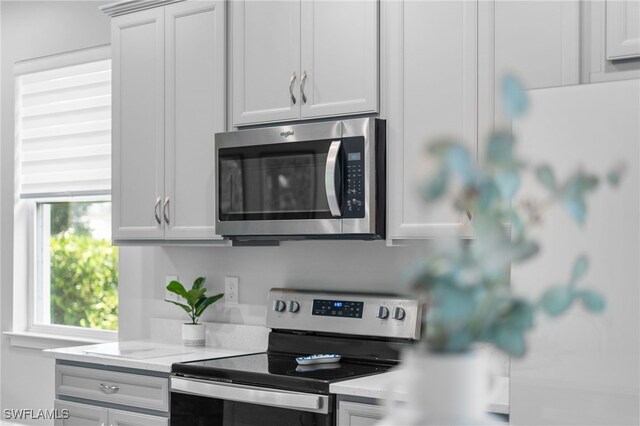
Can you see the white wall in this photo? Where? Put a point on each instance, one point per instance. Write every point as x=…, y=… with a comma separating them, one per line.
x=31, y=29
x=338, y=265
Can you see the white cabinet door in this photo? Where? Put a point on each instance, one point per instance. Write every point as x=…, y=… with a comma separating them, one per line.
x=195, y=111
x=623, y=29
x=265, y=61
x=432, y=93
x=138, y=124
x=80, y=414
x=339, y=59
x=125, y=418
x=357, y=414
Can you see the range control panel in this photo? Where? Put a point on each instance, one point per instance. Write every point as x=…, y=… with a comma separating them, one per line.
x=354, y=182
x=344, y=313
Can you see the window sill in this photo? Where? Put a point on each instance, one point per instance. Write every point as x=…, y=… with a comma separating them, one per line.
x=31, y=340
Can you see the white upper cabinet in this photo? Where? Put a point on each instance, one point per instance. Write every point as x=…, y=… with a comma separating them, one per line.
x=623, y=29
x=138, y=124
x=303, y=59
x=265, y=54
x=169, y=101
x=195, y=111
x=432, y=93
x=339, y=64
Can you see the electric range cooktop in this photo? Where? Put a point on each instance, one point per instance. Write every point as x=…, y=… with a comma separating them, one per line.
x=277, y=370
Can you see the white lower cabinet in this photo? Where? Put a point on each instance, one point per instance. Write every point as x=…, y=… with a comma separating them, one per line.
x=92, y=395
x=89, y=415
x=359, y=413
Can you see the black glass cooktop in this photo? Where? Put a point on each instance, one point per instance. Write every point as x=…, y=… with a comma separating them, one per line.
x=278, y=371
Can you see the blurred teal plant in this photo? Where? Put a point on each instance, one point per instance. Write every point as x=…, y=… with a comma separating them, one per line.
x=465, y=284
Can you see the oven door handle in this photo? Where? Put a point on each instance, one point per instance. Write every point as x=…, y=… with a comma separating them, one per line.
x=252, y=395
x=330, y=178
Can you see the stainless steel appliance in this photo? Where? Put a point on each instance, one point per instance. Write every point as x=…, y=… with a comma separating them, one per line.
x=270, y=388
x=319, y=180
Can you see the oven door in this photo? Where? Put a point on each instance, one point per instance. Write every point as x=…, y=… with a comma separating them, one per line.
x=201, y=402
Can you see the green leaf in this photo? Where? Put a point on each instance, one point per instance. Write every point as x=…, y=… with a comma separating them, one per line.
x=556, y=300
x=524, y=249
x=206, y=302
x=514, y=97
x=507, y=182
x=500, y=149
x=546, y=177
x=591, y=300
x=614, y=176
x=186, y=308
x=436, y=186
x=510, y=341
x=580, y=267
x=194, y=294
x=177, y=288
x=198, y=283
x=574, y=192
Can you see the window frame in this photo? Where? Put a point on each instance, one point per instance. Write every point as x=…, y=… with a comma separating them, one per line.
x=35, y=228
x=26, y=331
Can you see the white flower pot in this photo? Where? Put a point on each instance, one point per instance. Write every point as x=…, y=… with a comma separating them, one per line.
x=439, y=389
x=193, y=334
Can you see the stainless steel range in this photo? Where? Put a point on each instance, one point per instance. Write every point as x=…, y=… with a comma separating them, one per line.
x=281, y=386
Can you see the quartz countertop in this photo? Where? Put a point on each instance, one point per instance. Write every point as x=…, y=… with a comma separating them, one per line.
x=377, y=387
x=142, y=354
x=165, y=347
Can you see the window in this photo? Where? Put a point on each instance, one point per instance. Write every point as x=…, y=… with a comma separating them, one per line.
x=63, y=132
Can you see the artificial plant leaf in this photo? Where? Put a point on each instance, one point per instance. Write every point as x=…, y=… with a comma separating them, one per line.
x=517, y=224
x=556, y=300
x=436, y=186
x=545, y=175
x=186, y=308
x=206, y=302
x=574, y=192
x=580, y=267
x=177, y=288
x=456, y=159
x=500, y=149
x=510, y=341
x=523, y=249
x=592, y=300
x=507, y=182
x=514, y=98
x=198, y=282
x=488, y=194
x=194, y=294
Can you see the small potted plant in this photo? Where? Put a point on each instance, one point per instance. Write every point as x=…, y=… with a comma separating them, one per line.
x=193, y=333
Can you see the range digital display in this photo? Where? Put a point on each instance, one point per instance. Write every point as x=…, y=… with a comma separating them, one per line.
x=353, y=156
x=337, y=308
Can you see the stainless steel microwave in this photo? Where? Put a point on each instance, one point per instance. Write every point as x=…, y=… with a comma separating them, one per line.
x=319, y=180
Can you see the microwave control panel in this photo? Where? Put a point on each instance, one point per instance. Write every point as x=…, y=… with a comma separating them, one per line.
x=354, y=172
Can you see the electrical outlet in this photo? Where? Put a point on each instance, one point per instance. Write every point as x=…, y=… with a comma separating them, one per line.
x=167, y=294
x=231, y=290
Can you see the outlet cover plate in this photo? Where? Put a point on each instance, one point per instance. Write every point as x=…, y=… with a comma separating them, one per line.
x=231, y=290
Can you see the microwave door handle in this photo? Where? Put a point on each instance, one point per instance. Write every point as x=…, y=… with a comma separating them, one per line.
x=330, y=178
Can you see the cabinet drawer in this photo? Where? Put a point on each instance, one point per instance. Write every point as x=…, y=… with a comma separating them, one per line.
x=115, y=387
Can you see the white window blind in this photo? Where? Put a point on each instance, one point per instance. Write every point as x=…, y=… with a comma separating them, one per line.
x=63, y=125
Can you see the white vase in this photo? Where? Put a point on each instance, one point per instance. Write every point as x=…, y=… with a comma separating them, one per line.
x=193, y=334
x=439, y=389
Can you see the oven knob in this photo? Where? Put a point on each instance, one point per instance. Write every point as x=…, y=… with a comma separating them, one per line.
x=279, y=306
x=294, y=306
x=383, y=312
x=398, y=314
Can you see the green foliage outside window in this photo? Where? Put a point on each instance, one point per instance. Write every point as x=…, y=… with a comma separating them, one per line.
x=84, y=271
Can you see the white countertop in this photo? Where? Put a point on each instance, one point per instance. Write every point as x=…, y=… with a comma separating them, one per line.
x=377, y=387
x=142, y=354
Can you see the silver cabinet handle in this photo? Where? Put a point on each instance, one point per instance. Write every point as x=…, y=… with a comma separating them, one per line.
x=252, y=395
x=302, y=81
x=108, y=389
x=291, y=81
x=156, y=210
x=164, y=210
x=330, y=178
